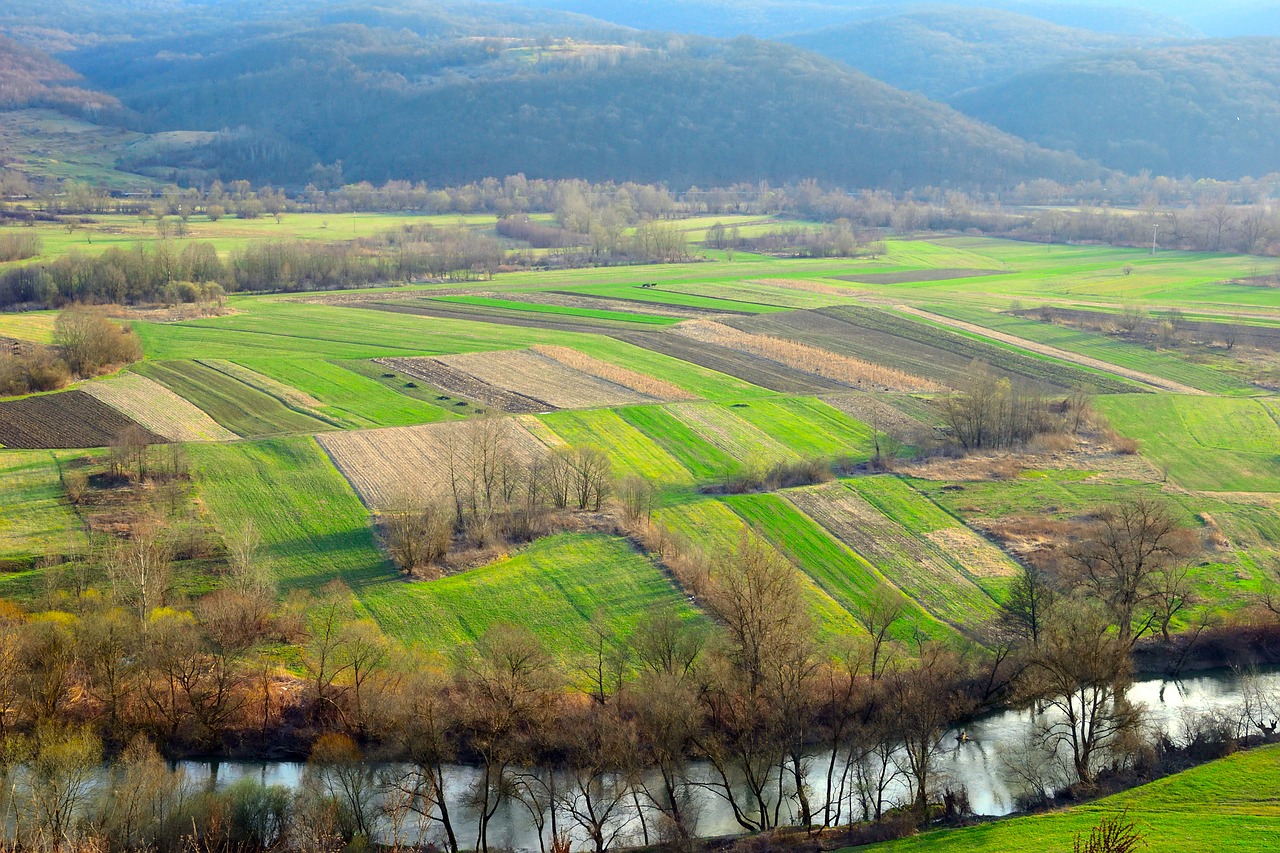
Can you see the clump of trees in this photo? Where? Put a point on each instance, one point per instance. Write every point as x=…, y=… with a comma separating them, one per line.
x=86, y=342
x=993, y=413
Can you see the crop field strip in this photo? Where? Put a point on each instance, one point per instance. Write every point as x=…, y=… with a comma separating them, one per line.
x=807, y=427
x=1257, y=334
x=630, y=450
x=732, y=435
x=388, y=466
x=313, y=527
x=749, y=368
x=916, y=276
x=71, y=419
x=1166, y=368
x=920, y=349
x=531, y=374
x=510, y=317
x=516, y=305
x=36, y=519
x=346, y=397
x=241, y=408
x=853, y=372
x=157, y=409
x=640, y=383
x=889, y=413
x=452, y=381
x=290, y=397
x=848, y=578
x=710, y=525
x=915, y=563
x=638, y=306
x=703, y=459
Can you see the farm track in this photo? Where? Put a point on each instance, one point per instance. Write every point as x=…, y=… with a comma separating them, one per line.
x=68, y=419
x=749, y=368
x=456, y=382
x=1060, y=354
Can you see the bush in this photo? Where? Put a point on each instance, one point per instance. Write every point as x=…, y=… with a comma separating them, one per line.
x=91, y=342
x=28, y=373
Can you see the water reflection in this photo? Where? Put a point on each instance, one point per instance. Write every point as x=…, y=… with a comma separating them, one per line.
x=976, y=756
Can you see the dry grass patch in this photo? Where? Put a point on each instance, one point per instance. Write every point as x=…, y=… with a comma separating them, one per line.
x=630, y=379
x=978, y=556
x=541, y=377
x=157, y=409
x=819, y=362
x=806, y=286
x=389, y=466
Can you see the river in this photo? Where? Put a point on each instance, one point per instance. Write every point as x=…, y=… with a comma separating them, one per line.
x=977, y=762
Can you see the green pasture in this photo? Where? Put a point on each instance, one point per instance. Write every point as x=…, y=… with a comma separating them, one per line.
x=1204, y=443
x=313, y=528
x=556, y=588
x=808, y=427
x=1231, y=805
x=35, y=516
x=33, y=326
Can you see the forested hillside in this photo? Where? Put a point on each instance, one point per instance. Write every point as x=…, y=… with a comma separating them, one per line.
x=944, y=50
x=391, y=104
x=1207, y=109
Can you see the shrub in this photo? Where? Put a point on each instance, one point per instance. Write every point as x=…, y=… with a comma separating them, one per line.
x=91, y=342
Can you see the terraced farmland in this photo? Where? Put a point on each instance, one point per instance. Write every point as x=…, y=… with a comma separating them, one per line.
x=730, y=435
x=631, y=452
x=459, y=383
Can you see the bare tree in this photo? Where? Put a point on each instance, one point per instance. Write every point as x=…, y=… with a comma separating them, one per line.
x=141, y=567
x=1121, y=557
x=882, y=609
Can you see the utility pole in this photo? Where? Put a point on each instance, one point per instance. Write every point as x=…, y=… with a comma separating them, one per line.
x=1155, y=229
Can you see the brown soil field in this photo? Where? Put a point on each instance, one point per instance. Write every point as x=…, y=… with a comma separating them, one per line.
x=538, y=377
x=157, y=409
x=872, y=411
x=389, y=466
x=854, y=372
x=458, y=383
x=914, y=276
x=639, y=382
x=749, y=368
x=67, y=419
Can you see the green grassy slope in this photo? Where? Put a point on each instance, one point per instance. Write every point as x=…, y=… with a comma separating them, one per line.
x=1228, y=806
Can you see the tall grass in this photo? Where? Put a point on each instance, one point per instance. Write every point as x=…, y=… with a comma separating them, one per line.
x=19, y=247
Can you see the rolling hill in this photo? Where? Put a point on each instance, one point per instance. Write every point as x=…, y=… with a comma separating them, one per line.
x=944, y=50
x=1206, y=109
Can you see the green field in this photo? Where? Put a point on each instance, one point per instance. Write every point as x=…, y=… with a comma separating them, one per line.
x=35, y=517
x=1228, y=806
x=350, y=400
x=1211, y=444
x=239, y=407
x=555, y=588
x=313, y=528
x=631, y=452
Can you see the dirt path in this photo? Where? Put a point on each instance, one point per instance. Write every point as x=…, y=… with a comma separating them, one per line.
x=1061, y=354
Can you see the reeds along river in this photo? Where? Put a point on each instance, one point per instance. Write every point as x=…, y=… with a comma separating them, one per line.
x=975, y=756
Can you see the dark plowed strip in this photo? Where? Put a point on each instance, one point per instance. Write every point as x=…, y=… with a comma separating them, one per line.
x=450, y=380
x=499, y=317
x=914, y=276
x=659, y=308
x=70, y=419
x=753, y=369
